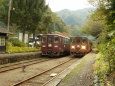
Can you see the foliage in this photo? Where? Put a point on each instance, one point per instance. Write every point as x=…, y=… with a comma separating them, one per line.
x=107, y=57
x=16, y=42
x=25, y=14
x=101, y=69
x=96, y=23
x=105, y=15
x=4, y=11
x=28, y=14
x=57, y=24
x=32, y=17
x=75, y=19
x=20, y=49
x=9, y=44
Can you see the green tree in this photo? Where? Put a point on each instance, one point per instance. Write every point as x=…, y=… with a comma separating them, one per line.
x=106, y=42
x=57, y=24
x=28, y=14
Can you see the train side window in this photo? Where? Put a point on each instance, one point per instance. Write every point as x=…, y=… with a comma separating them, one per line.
x=49, y=40
x=56, y=39
x=67, y=40
x=63, y=40
x=44, y=39
x=71, y=40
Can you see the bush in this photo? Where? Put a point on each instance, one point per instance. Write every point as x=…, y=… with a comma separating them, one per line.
x=9, y=44
x=16, y=42
x=101, y=67
x=105, y=62
x=20, y=49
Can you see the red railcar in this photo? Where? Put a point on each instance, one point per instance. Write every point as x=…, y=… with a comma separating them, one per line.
x=80, y=45
x=54, y=45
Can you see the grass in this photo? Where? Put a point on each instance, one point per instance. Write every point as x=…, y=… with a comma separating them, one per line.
x=77, y=68
x=20, y=49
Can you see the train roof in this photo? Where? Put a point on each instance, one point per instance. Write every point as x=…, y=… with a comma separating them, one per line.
x=53, y=35
x=78, y=37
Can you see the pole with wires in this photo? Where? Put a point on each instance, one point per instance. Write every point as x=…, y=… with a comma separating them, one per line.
x=10, y=5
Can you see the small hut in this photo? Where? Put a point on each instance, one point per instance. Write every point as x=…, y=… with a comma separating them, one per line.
x=3, y=37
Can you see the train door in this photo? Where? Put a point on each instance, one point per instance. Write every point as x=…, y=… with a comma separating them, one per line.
x=50, y=43
x=78, y=44
x=57, y=43
x=44, y=44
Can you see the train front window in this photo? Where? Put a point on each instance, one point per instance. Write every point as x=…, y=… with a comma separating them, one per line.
x=77, y=40
x=72, y=40
x=49, y=40
x=44, y=39
x=56, y=39
x=84, y=41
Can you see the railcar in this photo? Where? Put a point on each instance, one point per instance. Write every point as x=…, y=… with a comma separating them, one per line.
x=55, y=45
x=80, y=46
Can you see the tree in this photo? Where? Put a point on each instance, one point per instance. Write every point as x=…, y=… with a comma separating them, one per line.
x=57, y=24
x=106, y=41
x=28, y=14
x=4, y=11
x=32, y=17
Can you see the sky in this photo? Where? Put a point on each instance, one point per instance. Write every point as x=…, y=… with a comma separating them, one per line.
x=57, y=5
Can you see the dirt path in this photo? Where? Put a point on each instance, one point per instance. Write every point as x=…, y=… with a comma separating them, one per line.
x=82, y=75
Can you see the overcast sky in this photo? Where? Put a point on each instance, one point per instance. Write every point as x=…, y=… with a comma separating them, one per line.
x=57, y=5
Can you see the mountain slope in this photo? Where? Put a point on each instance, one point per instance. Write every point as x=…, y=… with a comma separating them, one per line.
x=77, y=17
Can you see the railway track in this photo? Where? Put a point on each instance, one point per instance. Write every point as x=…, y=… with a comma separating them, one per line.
x=25, y=82
x=20, y=65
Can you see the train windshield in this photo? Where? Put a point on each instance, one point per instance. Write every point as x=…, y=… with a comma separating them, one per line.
x=73, y=40
x=56, y=39
x=44, y=39
x=84, y=41
x=77, y=40
x=49, y=39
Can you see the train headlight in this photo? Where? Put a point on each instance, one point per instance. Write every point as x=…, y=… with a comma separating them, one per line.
x=73, y=47
x=83, y=47
x=43, y=45
x=49, y=45
x=56, y=46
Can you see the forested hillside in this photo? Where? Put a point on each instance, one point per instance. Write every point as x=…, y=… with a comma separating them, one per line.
x=77, y=17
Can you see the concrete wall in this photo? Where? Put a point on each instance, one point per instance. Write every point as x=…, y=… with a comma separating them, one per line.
x=11, y=58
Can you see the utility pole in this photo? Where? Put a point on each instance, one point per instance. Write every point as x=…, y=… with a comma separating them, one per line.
x=54, y=26
x=10, y=5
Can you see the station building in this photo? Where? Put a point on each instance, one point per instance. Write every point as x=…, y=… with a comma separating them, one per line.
x=3, y=37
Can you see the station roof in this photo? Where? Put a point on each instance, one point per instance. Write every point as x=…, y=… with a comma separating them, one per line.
x=4, y=30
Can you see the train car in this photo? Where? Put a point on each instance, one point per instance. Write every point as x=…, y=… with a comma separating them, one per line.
x=80, y=46
x=54, y=45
